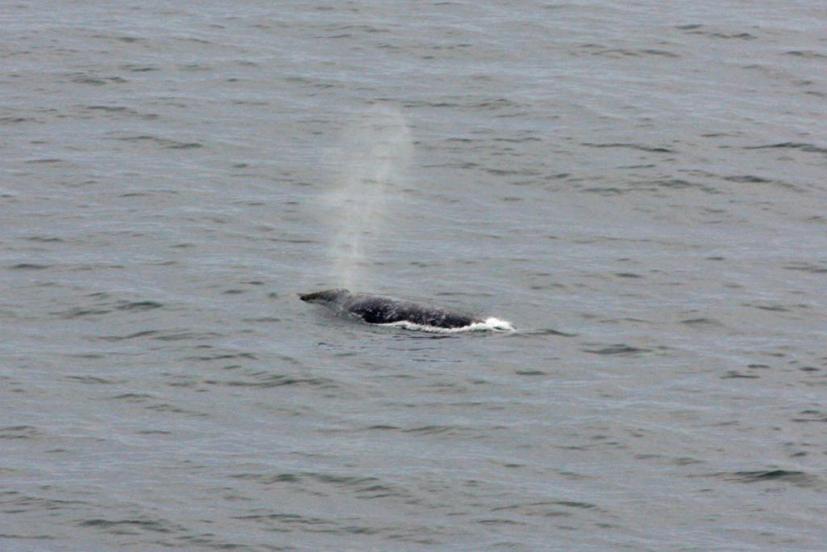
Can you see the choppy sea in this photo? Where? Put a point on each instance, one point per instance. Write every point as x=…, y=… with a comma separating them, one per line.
x=639, y=187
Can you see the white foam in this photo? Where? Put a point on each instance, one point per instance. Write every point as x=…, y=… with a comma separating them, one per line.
x=490, y=324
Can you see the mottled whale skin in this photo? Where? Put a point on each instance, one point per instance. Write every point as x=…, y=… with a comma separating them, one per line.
x=384, y=310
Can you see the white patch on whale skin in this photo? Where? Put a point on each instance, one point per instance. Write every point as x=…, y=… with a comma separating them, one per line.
x=490, y=324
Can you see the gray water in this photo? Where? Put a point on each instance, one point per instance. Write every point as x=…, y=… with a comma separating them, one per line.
x=638, y=186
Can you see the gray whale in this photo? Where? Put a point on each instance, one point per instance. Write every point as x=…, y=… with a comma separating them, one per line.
x=383, y=310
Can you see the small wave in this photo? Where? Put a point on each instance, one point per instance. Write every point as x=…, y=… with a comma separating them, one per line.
x=490, y=324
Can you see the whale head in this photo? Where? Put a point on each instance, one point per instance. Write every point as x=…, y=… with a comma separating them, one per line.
x=326, y=297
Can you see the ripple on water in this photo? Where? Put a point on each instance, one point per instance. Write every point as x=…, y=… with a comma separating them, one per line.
x=94, y=380
x=801, y=146
x=701, y=322
x=138, y=305
x=361, y=487
x=132, y=526
x=618, y=349
x=734, y=374
x=164, y=335
x=551, y=508
x=268, y=380
x=543, y=332
x=30, y=266
x=164, y=143
x=16, y=502
x=794, y=477
x=812, y=268
x=19, y=432
x=807, y=416
x=630, y=145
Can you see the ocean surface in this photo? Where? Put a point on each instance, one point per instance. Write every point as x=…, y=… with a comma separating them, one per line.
x=640, y=188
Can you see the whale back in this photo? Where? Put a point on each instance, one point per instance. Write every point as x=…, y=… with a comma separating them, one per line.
x=384, y=310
